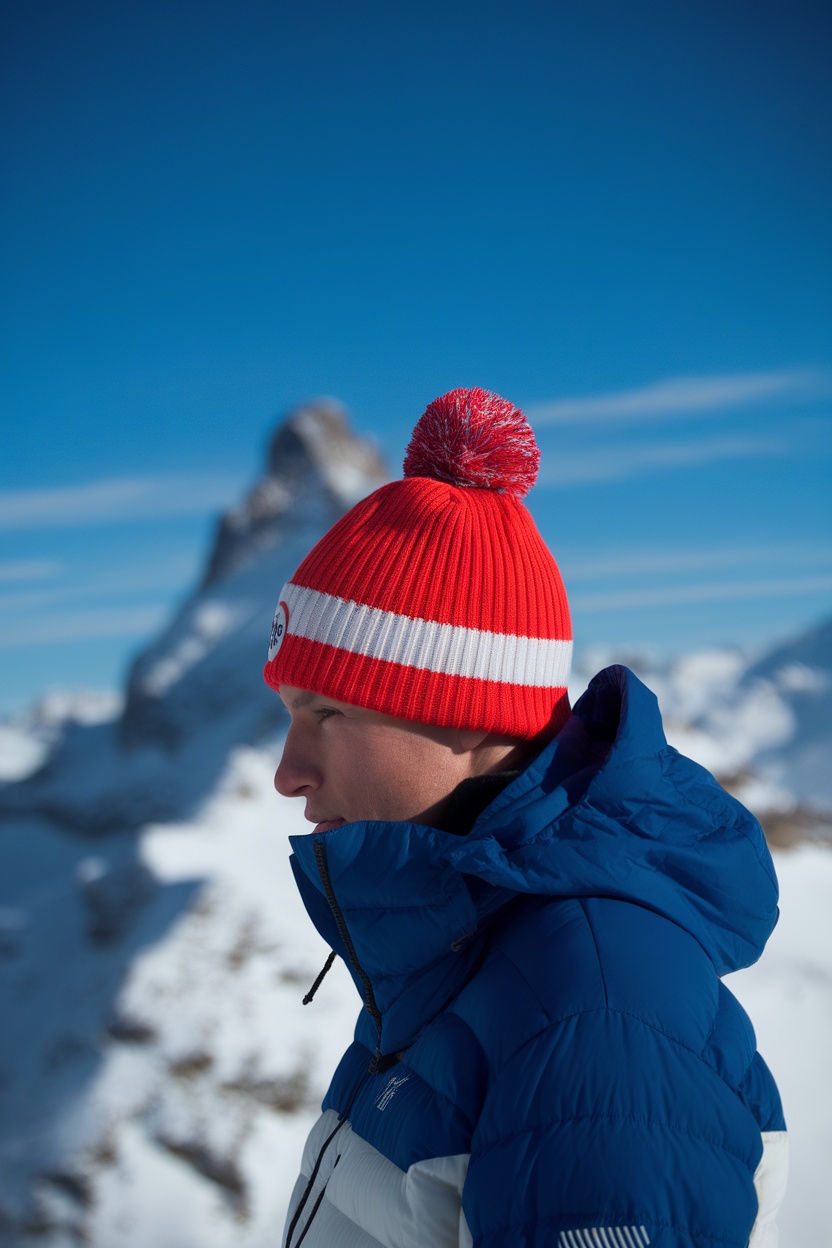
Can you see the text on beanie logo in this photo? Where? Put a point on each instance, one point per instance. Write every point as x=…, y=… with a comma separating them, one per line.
x=280, y=625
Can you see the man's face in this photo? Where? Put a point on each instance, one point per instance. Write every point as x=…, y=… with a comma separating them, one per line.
x=350, y=763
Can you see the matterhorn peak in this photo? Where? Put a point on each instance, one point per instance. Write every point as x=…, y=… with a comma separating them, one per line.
x=313, y=457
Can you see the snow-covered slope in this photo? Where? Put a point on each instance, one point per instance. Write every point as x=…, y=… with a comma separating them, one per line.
x=158, y=1072
x=156, y=1064
x=788, y=996
x=27, y=740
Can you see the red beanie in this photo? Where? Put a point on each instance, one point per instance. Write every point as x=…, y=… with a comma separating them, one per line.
x=435, y=598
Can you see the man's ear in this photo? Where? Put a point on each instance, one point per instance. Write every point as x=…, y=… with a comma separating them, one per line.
x=471, y=739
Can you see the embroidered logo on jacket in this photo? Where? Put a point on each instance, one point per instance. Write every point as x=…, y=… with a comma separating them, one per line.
x=390, y=1089
x=604, y=1237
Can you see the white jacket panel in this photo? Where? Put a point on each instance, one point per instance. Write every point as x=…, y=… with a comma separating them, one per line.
x=770, y=1180
x=362, y=1200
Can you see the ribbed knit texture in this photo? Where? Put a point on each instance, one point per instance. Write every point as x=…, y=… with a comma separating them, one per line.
x=433, y=599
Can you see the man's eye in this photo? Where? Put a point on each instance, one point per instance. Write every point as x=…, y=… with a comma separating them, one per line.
x=325, y=712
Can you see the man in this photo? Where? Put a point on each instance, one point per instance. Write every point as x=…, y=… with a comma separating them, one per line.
x=535, y=905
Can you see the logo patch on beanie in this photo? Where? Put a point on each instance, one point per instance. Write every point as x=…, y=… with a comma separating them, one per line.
x=280, y=625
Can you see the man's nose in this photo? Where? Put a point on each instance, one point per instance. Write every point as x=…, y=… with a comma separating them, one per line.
x=295, y=774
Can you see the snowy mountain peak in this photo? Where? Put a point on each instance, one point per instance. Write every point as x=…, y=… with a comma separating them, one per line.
x=206, y=665
x=312, y=450
x=197, y=691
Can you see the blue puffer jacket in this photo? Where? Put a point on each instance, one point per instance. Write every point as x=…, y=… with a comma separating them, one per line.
x=546, y=1055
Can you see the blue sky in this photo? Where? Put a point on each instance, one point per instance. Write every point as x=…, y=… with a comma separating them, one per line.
x=617, y=216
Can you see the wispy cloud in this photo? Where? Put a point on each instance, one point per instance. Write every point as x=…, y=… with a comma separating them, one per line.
x=620, y=463
x=130, y=621
x=652, y=562
x=684, y=396
x=116, y=499
x=679, y=595
x=105, y=584
x=18, y=570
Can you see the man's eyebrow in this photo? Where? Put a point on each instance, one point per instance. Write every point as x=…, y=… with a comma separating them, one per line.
x=301, y=700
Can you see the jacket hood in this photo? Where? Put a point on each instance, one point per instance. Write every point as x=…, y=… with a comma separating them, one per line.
x=607, y=809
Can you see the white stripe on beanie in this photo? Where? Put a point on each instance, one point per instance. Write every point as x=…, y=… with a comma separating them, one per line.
x=447, y=649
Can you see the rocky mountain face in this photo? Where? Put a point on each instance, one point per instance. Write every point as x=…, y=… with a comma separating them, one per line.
x=312, y=451
x=197, y=690
x=206, y=666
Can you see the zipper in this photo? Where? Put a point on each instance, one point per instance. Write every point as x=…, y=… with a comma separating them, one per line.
x=379, y=1062
x=313, y=1176
x=343, y=1118
x=315, y=1207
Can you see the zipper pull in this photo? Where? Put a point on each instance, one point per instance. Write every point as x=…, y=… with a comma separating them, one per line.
x=326, y=968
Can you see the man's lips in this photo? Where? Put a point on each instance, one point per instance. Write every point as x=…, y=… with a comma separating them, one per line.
x=326, y=825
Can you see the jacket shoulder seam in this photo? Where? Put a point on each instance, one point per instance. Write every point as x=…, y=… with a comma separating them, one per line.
x=582, y=903
x=553, y=1023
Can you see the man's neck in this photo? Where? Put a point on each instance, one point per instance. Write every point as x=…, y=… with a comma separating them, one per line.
x=470, y=798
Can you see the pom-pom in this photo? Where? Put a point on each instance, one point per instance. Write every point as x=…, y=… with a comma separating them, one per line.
x=474, y=438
